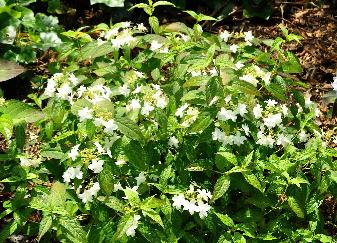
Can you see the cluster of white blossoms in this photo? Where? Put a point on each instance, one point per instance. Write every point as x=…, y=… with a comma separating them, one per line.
x=193, y=201
x=131, y=230
x=61, y=85
x=89, y=194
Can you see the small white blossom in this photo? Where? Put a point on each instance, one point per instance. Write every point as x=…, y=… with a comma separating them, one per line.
x=271, y=103
x=257, y=111
x=64, y=91
x=96, y=166
x=203, y=209
x=238, y=65
x=27, y=162
x=118, y=187
x=225, y=35
x=135, y=104
x=249, y=36
x=242, y=109
x=155, y=45
x=131, y=231
x=124, y=90
x=234, y=48
x=225, y=115
x=85, y=114
x=74, y=152
x=141, y=178
x=147, y=108
x=283, y=140
x=180, y=110
x=179, y=201
x=249, y=79
x=72, y=173
x=272, y=121
x=303, y=136
x=110, y=126
x=218, y=135
x=246, y=129
x=141, y=27
x=173, y=141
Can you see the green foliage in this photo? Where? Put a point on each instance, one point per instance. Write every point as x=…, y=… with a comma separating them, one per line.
x=165, y=136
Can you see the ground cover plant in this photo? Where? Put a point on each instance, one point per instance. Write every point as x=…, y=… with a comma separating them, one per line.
x=165, y=133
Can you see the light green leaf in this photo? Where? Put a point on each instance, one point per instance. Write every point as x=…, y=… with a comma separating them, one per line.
x=295, y=206
x=9, y=70
x=45, y=225
x=201, y=123
x=106, y=179
x=154, y=23
x=163, y=3
x=6, y=126
x=252, y=180
x=129, y=128
x=154, y=216
x=221, y=187
x=225, y=219
x=112, y=202
x=124, y=223
x=72, y=230
x=110, y=3
x=229, y=157
x=132, y=197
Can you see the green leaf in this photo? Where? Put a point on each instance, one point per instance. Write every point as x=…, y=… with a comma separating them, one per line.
x=72, y=230
x=132, y=197
x=44, y=226
x=295, y=206
x=165, y=175
x=112, y=202
x=93, y=50
x=277, y=91
x=298, y=180
x=9, y=70
x=201, y=123
x=154, y=23
x=136, y=155
x=154, y=216
x=106, y=179
x=229, y=157
x=19, y=111
x=110, y=3
x=152, y=202
x=124, y=223
x=6, y=126
x=129, y=128
x=79, y=105
x=292, y=65
x=252, y=180
x=225, y=219
x=221, y=187
x=163, y=3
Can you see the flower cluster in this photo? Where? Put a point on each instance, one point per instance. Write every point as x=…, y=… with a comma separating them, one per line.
x=193, y=201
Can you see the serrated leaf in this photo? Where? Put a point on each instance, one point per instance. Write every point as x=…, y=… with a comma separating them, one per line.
x=93, y=50
x=129, y=128
x=110, y=3
x=252, y=180
x=295, y=207
x=151, y=202
x=44, y=226
x=6, y=126
x=106, y=179
x=201, y=123
x=112, y=202
x=154, y=216
x=292, y=65
x=225, y=219
x=19, y=111
x=132, y=197
x=9, y=70
x=124, y=223
x=136, y=155
x=221, y=187
x=72, y=230
x=229, y=157
x=163, y=3
x=298, y=181
x=154, y=23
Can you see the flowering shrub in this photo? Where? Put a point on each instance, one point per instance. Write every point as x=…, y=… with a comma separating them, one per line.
x=175, y=136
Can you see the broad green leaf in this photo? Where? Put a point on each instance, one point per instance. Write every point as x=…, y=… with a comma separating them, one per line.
x=163, y=3
x=112, y=202
x=44, y=226
x=151, y=202
x=132, y=197
x=93, y=50
x=79, y=105
x=72, y=230
x=295, y=206
x=229, y=157
x=6, y=126
x=252, y=180
x=201, y=123
x=19, y=111
x=129, y=128
x=221, y=187
x=9, y=70
x=106, y=179
x=292, y=65
x=225, y=219
x=110, y=3
x=136, y=155
x=165, y=175
x=298, y=181
x=154, y=216
x=50, y=154
x=154, y=23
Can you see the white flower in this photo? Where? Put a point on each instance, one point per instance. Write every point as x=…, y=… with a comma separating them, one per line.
x=249, y=36
x=203, y=209
x=233, y=48
x=249, y=79
x=94, y=189
x=334, y=84
x=141, y=178
x=184, y=37
x=238, y=65
x=257, y=111
x=81, y=90
x=73, y=79
x=246, y=129
x=147, y=108
x=124, y=90
x=173, y=141
x=272, y=120
x=307, y=101
x=179, y=201
x=238, y=139
x=141, y=27
x=214, y=100
x=161, y=102
x=99, y=147
x=225, y=35
x=266, y=77
x=110, y=126
x=111, y=33
x=303, y=137
x=204, y=194
x=225, y=115
x=64, y=91
x=283, y=140
x=118, y=187
x=213, y=72
x=85, y=196
x=134, y=225
x=155, y=45
x=26, y=162
x=74, y=152
x=120, y=162
x=242, y=109
x=96, y=166
x=284, y=110
x=138, y=89
x=85, y=114
x=180, y=110
x=191, y=207
x=218, y=135
x=228, y=98
x=271, y=103
x=51, y=88
x=99, y=122
x=72, y=173
x=135, y=104
x=265, y=140
x=196, y=73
